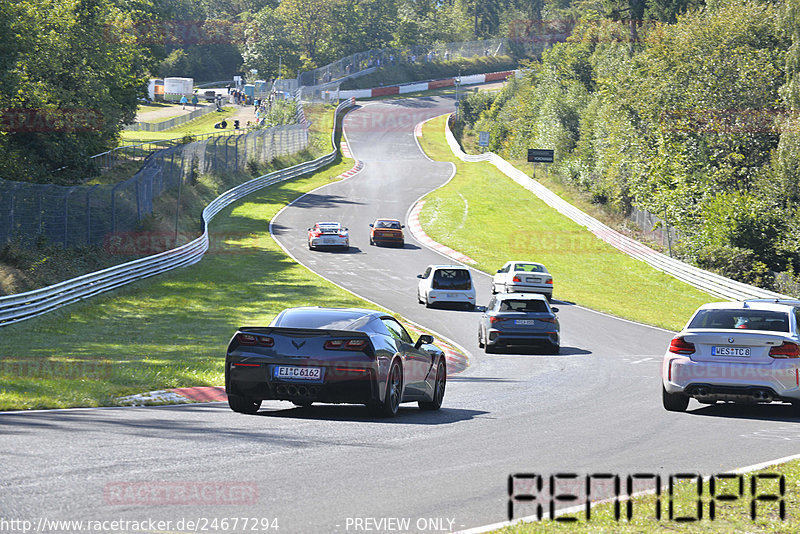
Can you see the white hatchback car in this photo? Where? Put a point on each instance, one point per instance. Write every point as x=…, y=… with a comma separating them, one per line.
x=746, y=352
x=523, y=277
x=441, y=284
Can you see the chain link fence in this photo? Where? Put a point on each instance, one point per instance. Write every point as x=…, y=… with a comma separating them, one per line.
x=80, y=215
x=364, y=62
x=655, y=228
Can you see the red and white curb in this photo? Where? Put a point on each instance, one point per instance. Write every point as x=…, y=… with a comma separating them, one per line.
x=418, y=128
x=345, y=148
x=355, y=170
x=175, y=396
x=419, y=234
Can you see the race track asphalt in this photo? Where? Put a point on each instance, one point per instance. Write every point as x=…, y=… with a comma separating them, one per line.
x=595, y=408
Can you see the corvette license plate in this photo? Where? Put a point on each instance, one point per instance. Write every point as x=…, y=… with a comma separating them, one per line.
x=739, y=352
x=285, y=372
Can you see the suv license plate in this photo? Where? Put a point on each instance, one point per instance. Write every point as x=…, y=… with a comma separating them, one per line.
x=737, y=352
x=525, y=321
x=284, y=372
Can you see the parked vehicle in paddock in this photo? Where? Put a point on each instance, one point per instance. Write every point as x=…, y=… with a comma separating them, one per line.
x=334, y=355
x=446, y=284
x=387, y=232
x=519, y=319
x=523, y=276
x=328, y=234
x=740, y=352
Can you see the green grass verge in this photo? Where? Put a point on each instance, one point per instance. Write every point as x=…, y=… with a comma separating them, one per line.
x=491, y=219
x=170, y=330
x=200, y=125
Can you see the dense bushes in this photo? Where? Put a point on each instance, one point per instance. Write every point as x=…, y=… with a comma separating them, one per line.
x=697, y=120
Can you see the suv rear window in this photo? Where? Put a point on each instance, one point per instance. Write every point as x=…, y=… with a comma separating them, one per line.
x=741, y=319
x=524, y=306
x=452, y=279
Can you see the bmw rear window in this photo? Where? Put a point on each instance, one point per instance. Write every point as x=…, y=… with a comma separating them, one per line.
x=452, y=279
x=743, y=319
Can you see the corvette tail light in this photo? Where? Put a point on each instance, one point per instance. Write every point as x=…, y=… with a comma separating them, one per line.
x=247, y=339
x=786, y=350
x=346, y=344
x=251, y=339
x=678, y=345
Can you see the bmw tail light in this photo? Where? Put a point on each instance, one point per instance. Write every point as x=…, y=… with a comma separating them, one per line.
x=785, y=350
x=246, y=339
x=678, y=345
x=516, y=279
x=346, y=344
x=549, y=281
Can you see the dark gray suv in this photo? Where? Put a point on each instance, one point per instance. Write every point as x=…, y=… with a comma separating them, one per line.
x=524, y=319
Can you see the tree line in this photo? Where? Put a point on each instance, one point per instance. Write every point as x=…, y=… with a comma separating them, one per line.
x=695, y=120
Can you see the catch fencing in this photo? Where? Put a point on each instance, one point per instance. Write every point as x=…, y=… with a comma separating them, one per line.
x=655, y=228
x=84, y=215
x=170, y=123
x=709, y=282
x=16, y=308
x=349, y=66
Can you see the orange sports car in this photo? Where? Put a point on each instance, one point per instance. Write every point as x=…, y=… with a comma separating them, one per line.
x=387, y=231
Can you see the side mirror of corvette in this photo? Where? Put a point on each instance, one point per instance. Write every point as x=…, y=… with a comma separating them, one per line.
x=424, y=339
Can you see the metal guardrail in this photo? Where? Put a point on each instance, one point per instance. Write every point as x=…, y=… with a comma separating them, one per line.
x=712, y=283
x=16, y=308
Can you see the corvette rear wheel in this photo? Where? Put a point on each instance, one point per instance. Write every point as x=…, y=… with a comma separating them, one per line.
x=394, y=393
x=243, y=404
x=438, y=389
x=674, y=402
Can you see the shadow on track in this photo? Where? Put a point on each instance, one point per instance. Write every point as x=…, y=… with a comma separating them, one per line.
x=763, y=412
x=409, y=414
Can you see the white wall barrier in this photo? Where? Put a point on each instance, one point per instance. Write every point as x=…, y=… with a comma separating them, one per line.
x=709, y=282
x=16, y=308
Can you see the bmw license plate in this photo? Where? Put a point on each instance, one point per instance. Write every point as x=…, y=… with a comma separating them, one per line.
x=533, y=280
x=285, y=372
x=525, y=321
x=738, y=352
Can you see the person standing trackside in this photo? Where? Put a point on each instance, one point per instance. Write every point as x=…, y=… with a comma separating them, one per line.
x=184, y=101
x=194, y=100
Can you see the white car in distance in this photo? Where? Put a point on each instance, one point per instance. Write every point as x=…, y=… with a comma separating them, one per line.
x=523, y=277
x=328, y=234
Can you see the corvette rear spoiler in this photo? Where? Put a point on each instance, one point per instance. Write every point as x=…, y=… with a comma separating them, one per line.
x=300, y=332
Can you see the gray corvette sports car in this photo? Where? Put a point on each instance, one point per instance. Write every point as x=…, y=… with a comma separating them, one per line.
x=336, y=355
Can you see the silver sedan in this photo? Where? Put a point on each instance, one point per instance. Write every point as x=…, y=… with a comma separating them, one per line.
x=519, y=319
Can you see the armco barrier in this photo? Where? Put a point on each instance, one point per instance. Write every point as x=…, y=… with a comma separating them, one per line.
x=709, y=282
x=411, y=87
x=16, y=308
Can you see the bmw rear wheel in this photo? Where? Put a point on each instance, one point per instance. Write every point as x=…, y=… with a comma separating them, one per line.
x=438, y=389
x=674, y=402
